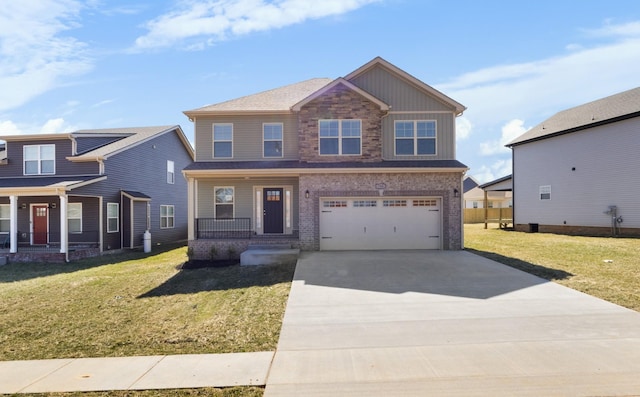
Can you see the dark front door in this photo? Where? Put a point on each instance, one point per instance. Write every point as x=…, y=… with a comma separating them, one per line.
x=273, y=210
x=40, y=217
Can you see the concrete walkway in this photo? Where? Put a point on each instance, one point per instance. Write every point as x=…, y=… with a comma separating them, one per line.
x=397, y=323
x=447, y=323
x=134, y=373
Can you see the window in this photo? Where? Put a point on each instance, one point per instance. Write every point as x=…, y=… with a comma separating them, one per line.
x=39, y=159
x=272, y=139
x=74, y=217
x=113, y=217
x=415, y=138
x=224, y=202
x=334, y=204
x=5, y=218
x=223, y=140
x=475, y=204
x=171, y=175
x=394, y=203
x=365, y=203
x=545, y=192
x=167, y=216
x=340, y=137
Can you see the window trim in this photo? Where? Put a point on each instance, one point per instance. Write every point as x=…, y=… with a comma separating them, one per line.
x=415, y=138
x=171, y=172
x=39, y=160
x=117, y=217
x=69, y=205
x=168, y=217
x=281, y=140
x=213, y=141
x=544, y=190
x=8, y=206
x=233, y=201
x=340, y=138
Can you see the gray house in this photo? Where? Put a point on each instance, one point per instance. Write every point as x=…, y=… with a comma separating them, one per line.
x=365, y=161
x=65, y=196
x=577, y=172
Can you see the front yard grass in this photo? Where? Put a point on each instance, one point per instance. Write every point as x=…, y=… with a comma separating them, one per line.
x=605, y=267
x=136, y=304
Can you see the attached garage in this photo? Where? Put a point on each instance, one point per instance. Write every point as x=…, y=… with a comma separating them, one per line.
x=377, y=223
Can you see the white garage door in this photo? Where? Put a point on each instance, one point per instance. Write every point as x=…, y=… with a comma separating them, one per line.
x=380, y=223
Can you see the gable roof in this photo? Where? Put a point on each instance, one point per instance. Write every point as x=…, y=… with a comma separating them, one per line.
x=468, y=183
x=378, y=61
x=130, y=137
x=334, y=83
x=277, y=100
x=607, y=110
x=503, y=184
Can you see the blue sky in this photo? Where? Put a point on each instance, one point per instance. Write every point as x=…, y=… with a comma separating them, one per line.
x=68, y=65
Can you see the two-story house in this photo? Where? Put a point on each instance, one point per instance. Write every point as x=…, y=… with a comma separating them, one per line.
x=64, y=196
x=365, y=161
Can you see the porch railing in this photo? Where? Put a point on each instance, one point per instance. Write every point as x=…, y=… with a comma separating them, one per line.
x=217, y=228
x=88, y=238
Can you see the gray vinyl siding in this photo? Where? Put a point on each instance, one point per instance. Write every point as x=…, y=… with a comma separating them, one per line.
x=15, y=154
x=247, y=136
x=606, y=173
x=244, y=196
x=84, y=144
x=143, y=168
x=445, y=138
x=398, y=93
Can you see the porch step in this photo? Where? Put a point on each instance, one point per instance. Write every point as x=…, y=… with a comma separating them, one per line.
x=272, y=254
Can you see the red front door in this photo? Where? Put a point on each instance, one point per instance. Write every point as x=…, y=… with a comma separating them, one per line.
x=40, y=217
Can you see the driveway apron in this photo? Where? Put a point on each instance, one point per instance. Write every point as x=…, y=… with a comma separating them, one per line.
x=416, y=323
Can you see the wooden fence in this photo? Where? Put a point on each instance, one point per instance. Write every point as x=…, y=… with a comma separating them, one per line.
x=494, y=215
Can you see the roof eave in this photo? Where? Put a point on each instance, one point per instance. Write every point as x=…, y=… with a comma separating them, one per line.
x=303, y=171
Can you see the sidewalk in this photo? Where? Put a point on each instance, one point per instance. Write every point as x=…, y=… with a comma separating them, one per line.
x=135, y=373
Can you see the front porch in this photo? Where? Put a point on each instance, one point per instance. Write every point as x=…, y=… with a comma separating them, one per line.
x=47, y=247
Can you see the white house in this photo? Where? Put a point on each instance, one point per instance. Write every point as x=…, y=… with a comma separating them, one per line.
x=578, y=171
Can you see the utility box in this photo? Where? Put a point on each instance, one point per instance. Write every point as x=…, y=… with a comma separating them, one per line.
x=533, y=228
x=147, y=241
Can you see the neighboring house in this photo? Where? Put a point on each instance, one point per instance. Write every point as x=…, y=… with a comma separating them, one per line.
x=577, y=172
x=365, y=161
x=474, y=196
x=64, y=196
x=488, y=202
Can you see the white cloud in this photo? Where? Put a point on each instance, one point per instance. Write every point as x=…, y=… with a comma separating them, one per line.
x=54, y=126
x=8, y=127
x=34, y=54
x=494, y=171
x=510, y=131
x=463, y=128
x=207, y=22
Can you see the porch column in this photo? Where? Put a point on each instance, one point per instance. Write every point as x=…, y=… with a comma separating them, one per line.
x=191, y=203
x=13, y=224
x=64, y=237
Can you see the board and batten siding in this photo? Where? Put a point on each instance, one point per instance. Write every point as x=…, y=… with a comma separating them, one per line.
x=445, y=138
x=247, y=137
x=397, y=92
x=244, y=196
x=588, y=171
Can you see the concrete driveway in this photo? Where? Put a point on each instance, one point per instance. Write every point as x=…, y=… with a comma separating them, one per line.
x=416, y=323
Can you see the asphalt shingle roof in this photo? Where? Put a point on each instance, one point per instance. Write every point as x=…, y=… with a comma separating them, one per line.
x=277, y=99
x=624, y=104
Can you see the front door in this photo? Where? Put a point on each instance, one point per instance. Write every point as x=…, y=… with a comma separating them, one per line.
x=40, y=218
x=273, y=210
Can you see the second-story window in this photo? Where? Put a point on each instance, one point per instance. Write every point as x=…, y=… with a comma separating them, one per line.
x=340, y=137
x=272, y=139
x=171, y=175
x=39, y=159
x=415, y=138
x=223, y=140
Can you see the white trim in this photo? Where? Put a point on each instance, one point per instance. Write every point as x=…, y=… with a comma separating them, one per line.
x=340, y=137
x=233, y=202
x=39, y=159
x=213, y=141
x=171, y=170
x=118, y=218
x=173, y=216
x=273, y=140
x=415, y=138
x=69, y=205
x=310, y=171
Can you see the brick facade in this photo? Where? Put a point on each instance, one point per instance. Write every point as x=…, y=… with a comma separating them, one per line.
x=354, y=185
x=340, y=103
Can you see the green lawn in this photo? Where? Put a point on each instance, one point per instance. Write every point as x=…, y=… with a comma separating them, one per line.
x=138, y=304
x=608, y=268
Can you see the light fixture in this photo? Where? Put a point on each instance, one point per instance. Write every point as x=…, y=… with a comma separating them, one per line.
x=306, y=194
x=23, y=206
x=456, y=193
x=53, y=206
